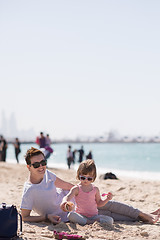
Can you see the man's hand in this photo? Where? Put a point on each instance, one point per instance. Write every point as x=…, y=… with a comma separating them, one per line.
x=54, y=219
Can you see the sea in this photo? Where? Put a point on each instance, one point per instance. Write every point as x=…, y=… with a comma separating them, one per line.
x=134, y=160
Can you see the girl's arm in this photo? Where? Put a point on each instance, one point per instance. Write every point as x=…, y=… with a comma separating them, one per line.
x=72, y=193
x=99, y=201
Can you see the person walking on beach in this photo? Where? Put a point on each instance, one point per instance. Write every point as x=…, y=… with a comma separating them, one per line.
x=3, y=146
x=44, y=191
x=87, y=197
x=89, y=156
x=17, y=149
x=69, y=157
x=48, y=141
x=74, y=155
x=81, y=154
x=48, y=150
x=42, y=140
x=44, y=144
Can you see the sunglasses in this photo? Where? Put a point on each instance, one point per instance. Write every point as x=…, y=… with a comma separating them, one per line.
x=87, y=178
x=37, y=164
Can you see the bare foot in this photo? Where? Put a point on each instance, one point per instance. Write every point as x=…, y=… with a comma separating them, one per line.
x=147, y=218
x=157, y=218
x=157, y=212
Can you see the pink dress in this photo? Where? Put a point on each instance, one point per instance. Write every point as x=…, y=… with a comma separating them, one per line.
x=86, y=203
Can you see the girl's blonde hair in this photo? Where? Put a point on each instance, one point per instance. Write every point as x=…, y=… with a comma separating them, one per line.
x=87, y=167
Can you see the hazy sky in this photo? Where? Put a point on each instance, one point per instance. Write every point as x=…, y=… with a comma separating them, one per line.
x=81, y=67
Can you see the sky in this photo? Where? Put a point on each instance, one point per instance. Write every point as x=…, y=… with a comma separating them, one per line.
x=81, y=68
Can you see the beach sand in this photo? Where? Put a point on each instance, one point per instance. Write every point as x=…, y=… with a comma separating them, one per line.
x=138, y=193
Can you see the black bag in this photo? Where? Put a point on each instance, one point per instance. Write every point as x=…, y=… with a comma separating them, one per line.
x=9, y=221
x=110, y=175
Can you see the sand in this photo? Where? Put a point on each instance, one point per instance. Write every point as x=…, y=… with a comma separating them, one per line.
x=138, y=193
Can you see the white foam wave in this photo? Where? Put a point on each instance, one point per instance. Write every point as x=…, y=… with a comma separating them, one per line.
x=143, y=175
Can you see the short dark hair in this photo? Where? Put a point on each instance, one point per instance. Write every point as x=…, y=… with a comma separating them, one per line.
x=30, y=153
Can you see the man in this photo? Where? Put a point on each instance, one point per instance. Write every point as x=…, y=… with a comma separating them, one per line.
x=17, y=148
x=69, y=157
x=42, y=140
x=81, y=154
x=40, y=192
x=3, y=149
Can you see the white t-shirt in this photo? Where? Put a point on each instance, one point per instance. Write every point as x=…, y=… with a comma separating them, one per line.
x=44, y=198
x=69, y=154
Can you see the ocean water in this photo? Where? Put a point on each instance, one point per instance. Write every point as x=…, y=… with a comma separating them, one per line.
x=137, y=160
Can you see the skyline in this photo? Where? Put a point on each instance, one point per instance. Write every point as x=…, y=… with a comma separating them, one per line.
x=81, y=68
x=10, y=131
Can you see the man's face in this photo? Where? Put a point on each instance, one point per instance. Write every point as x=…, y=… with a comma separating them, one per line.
x=39, y=171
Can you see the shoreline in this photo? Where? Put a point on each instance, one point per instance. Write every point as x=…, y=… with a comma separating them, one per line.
x=140, y=194
x=70, y=141
x=141, y=175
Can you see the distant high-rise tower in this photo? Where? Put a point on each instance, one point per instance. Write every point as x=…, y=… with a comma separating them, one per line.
x=4, y=124
x=12, y=126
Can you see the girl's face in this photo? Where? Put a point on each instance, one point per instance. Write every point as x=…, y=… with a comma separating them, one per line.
x=86, y=179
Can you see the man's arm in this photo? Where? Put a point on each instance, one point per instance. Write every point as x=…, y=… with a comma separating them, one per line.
x=63, y=184
x=27, y=218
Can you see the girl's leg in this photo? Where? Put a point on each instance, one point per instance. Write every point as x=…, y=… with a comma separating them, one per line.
x=77, y=218
x=104, y=219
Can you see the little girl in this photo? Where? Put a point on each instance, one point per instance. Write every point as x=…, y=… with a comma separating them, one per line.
x=87, y=197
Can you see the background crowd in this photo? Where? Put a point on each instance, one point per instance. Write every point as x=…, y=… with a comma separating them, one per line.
x=4, y=146
x=71, y=155
x=44, y=142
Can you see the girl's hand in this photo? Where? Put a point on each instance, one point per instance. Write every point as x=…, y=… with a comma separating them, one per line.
x=63, y=206
x=54, y=219
x=67, y=206
x=109, y=196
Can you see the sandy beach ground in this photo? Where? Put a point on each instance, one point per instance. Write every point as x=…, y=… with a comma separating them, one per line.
x=138, y=193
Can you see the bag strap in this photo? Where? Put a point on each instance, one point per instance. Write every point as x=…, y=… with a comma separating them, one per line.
x=20, y=223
